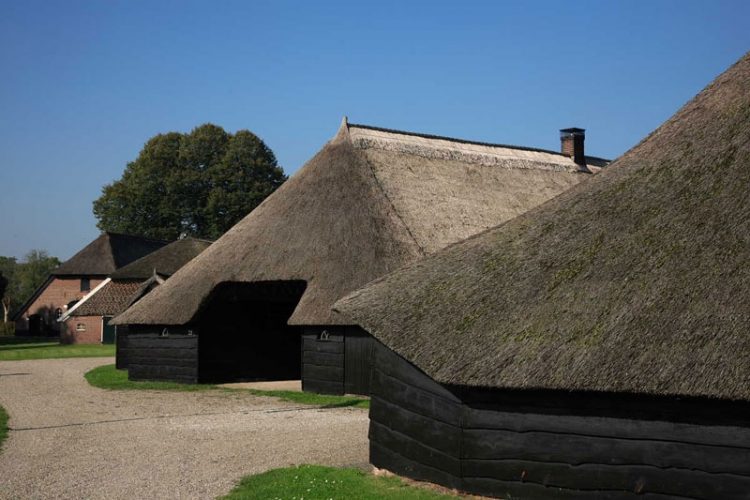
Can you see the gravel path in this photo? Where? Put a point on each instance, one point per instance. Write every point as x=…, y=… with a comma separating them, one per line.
x=71, y=440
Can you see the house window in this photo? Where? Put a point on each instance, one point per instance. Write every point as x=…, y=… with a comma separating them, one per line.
x=80, y=327
x=58, y=313
x=85, y=284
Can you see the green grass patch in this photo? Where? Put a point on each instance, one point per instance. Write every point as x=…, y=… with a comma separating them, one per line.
x=3, y=426
x=315, y=482
x=310, y=398
x=108, y=377
x=19, y=348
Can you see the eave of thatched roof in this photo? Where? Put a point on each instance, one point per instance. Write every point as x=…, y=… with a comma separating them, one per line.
x=108, y=252
x=370, y=201
x=164, y=261
x=635, y=282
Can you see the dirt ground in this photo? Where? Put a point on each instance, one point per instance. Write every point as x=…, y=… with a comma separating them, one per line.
x=70, y=440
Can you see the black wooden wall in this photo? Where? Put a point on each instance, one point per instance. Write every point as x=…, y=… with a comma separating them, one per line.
x=336, y=360
x=154, y=355
x=121, y=347
x=553, y=445
x=323, y=360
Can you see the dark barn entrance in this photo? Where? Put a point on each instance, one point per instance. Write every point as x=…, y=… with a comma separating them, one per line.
x=244, y=334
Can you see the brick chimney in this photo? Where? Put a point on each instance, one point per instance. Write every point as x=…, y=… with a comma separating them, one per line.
x=571, y=144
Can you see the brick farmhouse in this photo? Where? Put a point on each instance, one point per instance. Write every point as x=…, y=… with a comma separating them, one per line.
x=74, y=279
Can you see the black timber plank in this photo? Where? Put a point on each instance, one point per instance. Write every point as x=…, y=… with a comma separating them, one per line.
x=169, y=353
x=633, y=478
x=575, y=449
x=384, y=458
x=415, y=399
x=332, y=373
x=322, y=386
x=358, y=346
x=176, y=362
x=508, y=419
x=413, y=449
x=138, y=341
x=633, y=406
x=138, y=372
x=121, y=347
x=323, y=346
x=433, y=433
x=322, y=358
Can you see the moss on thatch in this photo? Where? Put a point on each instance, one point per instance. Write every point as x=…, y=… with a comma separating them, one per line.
x=636, y=281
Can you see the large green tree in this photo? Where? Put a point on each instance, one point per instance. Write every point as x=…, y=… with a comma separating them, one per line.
x=23, y=278
x=197, y=184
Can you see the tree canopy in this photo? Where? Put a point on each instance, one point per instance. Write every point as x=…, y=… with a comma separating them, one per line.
x=197, y=184
x=23, y=278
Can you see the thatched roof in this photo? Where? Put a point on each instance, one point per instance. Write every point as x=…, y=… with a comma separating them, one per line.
x=370, y=201
x=636, y=282
x=129, y=283
x=108, y=252
x=164, y=261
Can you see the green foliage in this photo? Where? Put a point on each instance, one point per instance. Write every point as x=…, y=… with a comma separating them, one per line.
x=20, y=348
x=3, y=284
x=315, y=482
x=3, y=426
x=108, y=377
x=198, y=184
x=24, y=278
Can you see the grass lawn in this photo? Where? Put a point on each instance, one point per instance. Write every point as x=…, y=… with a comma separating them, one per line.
x=20, y=348
x=315, y=482
x=3, y=426
x=108, y=377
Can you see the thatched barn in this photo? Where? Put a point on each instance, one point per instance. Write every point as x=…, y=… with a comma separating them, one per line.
x=123, y=288
x=369, y=202
x=597, y=346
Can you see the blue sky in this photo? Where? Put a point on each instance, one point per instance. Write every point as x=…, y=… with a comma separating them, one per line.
x=84, y=84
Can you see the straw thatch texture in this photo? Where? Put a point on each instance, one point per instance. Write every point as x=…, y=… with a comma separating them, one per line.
x=164, y=261
x=637, y=281
x=367, y=203
x=108, y=252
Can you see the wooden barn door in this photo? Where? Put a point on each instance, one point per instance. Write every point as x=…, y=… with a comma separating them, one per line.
x=108, y=331
x=357, y=361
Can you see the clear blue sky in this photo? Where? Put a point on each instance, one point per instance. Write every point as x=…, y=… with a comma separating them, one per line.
x=84, y=84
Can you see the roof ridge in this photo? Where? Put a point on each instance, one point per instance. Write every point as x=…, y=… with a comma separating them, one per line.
x=194, y=238
x=147, y=238
x=457, y=140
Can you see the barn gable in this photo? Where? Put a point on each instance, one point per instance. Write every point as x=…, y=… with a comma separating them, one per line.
x=370, y=201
